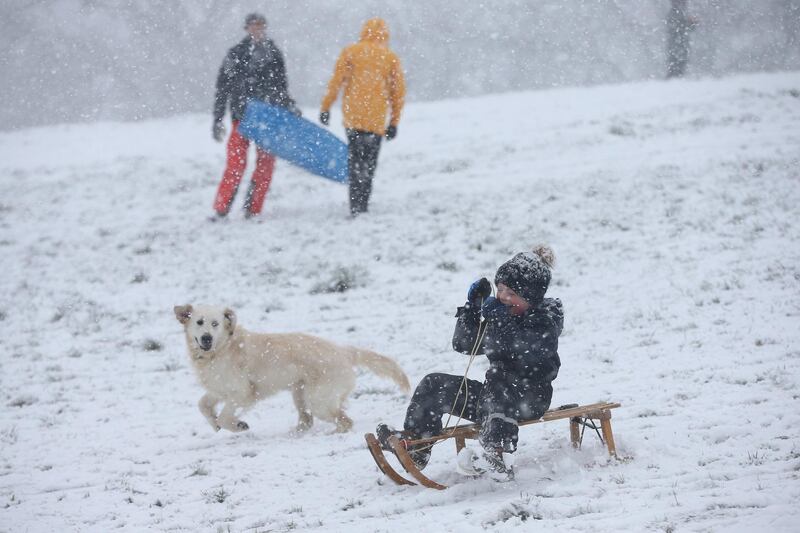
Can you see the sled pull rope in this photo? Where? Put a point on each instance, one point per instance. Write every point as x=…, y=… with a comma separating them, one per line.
x=475, y=347
x=464, y=384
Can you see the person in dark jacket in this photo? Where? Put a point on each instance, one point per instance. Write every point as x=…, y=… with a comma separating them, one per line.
x=519, y=336
x=253, y=69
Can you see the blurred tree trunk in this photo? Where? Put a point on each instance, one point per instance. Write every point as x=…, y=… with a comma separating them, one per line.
x=679, y=25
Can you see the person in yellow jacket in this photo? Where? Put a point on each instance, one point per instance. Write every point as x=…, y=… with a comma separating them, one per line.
x=373, y=80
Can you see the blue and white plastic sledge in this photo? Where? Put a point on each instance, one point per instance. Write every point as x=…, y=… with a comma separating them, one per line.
x=295, y=139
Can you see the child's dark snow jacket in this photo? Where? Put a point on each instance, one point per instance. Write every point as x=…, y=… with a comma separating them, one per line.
x=522, y=350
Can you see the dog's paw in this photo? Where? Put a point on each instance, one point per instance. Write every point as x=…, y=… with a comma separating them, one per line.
x=241, y=425
x=304, y=425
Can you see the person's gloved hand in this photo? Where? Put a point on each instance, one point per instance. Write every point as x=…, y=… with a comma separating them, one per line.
x=493, y=309
x=325, y=117
x=218, y=131
x=391, y=132
x=479, y=291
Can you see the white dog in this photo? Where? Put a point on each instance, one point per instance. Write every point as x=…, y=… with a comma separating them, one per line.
x=239, y=368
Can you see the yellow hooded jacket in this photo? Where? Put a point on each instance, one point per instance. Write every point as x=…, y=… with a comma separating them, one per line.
x=372, y=79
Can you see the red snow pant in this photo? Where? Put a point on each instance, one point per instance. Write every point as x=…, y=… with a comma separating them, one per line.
x=234, y=170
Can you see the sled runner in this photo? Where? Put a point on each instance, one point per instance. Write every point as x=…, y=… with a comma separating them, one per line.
x=295, y=139
x=580, y=417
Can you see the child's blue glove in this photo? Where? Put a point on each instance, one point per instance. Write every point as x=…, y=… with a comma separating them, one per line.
x=479, y=290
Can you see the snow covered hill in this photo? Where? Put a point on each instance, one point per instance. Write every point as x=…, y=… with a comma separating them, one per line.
x=672, y=209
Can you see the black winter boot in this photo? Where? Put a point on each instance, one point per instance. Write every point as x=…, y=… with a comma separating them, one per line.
x=420, y=455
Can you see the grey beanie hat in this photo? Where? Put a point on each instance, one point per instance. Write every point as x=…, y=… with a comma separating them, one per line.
x=254, y=18
x=528, y=273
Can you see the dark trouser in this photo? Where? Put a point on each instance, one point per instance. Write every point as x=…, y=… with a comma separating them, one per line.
x=362, y=159
x=497, y=405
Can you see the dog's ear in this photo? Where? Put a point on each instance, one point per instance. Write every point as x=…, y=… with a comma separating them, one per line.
x=230, y=319
x=183, y=313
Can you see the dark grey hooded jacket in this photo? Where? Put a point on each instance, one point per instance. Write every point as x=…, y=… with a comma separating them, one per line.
x=251, y=69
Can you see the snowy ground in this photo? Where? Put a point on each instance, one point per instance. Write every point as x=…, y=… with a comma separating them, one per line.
x=673, y=210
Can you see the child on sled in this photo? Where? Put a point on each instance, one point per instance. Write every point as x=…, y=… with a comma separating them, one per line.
x=518, y=332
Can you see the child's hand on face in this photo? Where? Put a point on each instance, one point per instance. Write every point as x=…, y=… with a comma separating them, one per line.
x=493, y=308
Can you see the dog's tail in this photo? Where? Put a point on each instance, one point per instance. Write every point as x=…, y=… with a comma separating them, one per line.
x=382, y=366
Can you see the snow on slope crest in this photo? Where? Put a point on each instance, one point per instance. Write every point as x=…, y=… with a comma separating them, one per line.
x=672, y=208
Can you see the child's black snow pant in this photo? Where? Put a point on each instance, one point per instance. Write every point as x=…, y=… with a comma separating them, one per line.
x=497, y=405
x=362, y=159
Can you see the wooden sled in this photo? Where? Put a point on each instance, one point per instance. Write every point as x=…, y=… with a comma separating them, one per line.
x=580, y=417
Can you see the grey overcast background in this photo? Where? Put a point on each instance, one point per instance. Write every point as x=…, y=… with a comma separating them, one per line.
x=84, y=60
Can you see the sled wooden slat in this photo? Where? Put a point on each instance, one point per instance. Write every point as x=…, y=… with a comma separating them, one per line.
x=380, y=459
x=595, y=411
x=578, y=415
x=411, y=468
